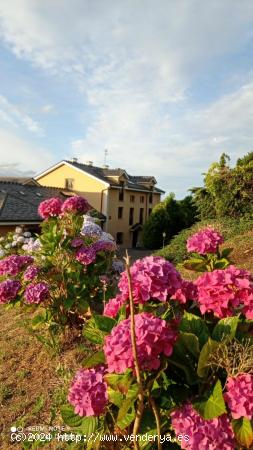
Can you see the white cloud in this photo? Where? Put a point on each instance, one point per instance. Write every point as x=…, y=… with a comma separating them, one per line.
x=134, y=63
x=13, y=115
x=48, y=109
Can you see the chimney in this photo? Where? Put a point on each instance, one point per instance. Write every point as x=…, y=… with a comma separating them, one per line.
x=89, y=163
x=74, y=160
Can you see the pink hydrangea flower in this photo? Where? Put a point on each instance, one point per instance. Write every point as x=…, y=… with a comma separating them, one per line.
x=9, y=290
x=14, y=264
x=153, y=337
x=50, y=208
x=239, y=395
x=88, y=393
x=86, y=255
x=31, y=272
x=112, y=308
x=152, y=277
x=36, y=293
x=77, y=242
x=187, y=291
x=224, y=291
x=214, y=434
x=75, y=204
x=205, y=241
x=104, y=246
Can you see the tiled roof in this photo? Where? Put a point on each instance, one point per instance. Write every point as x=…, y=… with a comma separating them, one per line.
x=21, y=180
x=19, y=203
x=104, y=174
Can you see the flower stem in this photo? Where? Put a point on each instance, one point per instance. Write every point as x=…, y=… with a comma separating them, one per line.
x=140, y=403
x=158, y=423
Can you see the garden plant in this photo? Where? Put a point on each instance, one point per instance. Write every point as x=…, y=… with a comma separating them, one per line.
x=173, y=366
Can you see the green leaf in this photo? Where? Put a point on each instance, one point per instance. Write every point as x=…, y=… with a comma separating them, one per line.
x=225, y=252
x=68, y=303
x=38, y=320
x=214, y=406
x=208, y=348
x=89, y=425
x=120, y=382
x=221, y=263
x=94, y=360
x=191, y=323
x=225, y=328
x=243, y=431
x=126, y=414
x=92, y=333
x=115, y=397
x=195, y=264
x=104, y=323
x=69, y=417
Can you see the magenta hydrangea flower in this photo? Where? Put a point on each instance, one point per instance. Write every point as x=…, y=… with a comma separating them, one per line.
x=187, y=291
x=214, y=434
x=86, y=255
x=88, y=392
x=31, y=272
x=112, y=308
x=50, y=208
x=239, y=395
x=36, y=293
x=152, y=277
x=9, y=290
x=75, y=204
x=104, y=246
x=205, y=241
x=14, y=264
x=224, y=291
x=77, y=242
x=153, y=337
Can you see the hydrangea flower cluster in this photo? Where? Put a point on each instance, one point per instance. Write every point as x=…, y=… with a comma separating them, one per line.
x=77, y=242
x=205, y=241
x=86, y=255
x=153, y=337
x=214, y=434
x=36, y=293
x=90, y=228
x=50, y=208
x=112, y=308
x=75, y=204
x=32, y=246
x=104, y=246
x=222, y=291
x=14, y=264
x=152, y=277
x=187, y=291
x=31, y=272
x=239, y=395
x=9, y=290
x=88, y=392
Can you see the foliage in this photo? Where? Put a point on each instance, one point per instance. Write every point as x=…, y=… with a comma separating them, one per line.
x=54, y=278
x=157, y=363
x=169, y=217
x=227, y=191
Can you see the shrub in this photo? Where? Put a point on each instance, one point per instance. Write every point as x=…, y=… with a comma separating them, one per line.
x=158, y=370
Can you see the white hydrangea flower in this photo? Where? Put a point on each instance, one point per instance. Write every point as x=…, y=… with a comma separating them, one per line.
x=27, y=234
x=18, y=230
x=90, y=228
x=21, y=239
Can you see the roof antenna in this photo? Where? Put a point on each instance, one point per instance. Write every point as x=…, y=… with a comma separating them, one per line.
x=105, y=166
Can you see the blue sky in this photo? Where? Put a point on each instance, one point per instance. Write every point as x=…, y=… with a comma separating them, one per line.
x=166, y=86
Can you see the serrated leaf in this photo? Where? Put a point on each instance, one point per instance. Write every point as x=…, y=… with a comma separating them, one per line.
x=89, y=425
x=104, y=323
x=207, y=349
x=94, y=360
x=120, y=382
x=126, y=414
x=69, y=417
x=243, y=431
x=191, y=323
x=225, y=252
x=115, y=397
x=225, y=328
x=214, y=406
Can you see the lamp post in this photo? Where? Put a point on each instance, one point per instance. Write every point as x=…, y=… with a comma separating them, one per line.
x=164, y=236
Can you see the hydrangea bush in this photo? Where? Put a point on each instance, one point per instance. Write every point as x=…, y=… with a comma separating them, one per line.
x=167, y=364
x=61, y=270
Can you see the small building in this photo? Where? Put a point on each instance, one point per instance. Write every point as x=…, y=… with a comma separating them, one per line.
x=125, y=200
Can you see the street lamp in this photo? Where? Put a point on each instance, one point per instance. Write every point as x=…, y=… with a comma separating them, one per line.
x=164, y=236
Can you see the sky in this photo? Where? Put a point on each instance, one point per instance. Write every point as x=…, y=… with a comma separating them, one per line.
x=165, y=86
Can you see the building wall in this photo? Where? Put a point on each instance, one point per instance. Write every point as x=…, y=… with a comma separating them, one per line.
x=87, y=186
x=116, y=225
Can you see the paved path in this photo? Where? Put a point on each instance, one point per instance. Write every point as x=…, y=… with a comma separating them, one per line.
x=135, y=253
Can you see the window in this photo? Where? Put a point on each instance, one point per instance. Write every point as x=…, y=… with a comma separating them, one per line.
x=149, y=211
x=142, y=199
x=120, y=212
x=131, y=198
x=69, y=183
x=150, y=197
x=131, y=216
x=119, y=238
x=141, y=215
x=121, y=192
